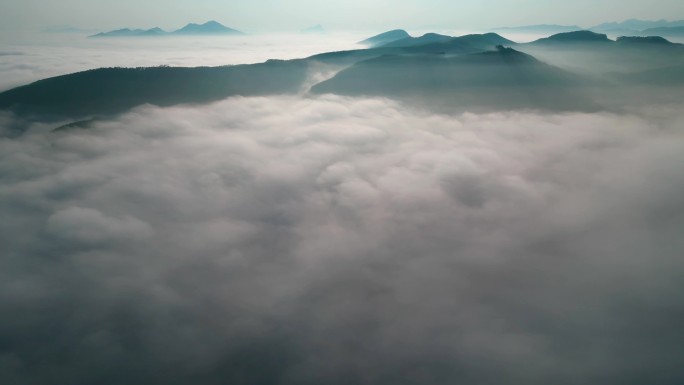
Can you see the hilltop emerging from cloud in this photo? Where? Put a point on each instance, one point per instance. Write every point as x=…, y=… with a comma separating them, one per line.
x=572, y=71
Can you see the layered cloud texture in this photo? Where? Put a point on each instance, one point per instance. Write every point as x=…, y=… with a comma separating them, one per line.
x=343, y=241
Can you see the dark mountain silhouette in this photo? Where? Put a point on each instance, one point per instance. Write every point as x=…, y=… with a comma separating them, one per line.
x=428, y=38
x=385, y=38
x=314, y=30
x=636, y=25
x=486, y=41
x=643, y=40
x=540, y=28
x=666, y=31
x=125, y=32
x=592, y=53
x=449, y=45
x=504, y=78
x=465, y=72
x=575, y=37
x=114, y=90
x=208, y=28
x=153, y=32
x=466, y=44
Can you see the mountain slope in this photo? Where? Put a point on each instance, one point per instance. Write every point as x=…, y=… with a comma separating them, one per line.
x=666, y=31
x=208, y=28
x=153, y=32
x=540, y=28
x=644, y=40
x=504, y=78
x=472, y=43
x=636, y=25
x=114, y=90
x=428, y=38
x=595, y=54
x=441, y=45
x=125, y=32
x=579, y=37
x=385, y=38
x=314, y=30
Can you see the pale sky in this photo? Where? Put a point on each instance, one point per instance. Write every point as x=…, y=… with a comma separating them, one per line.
x=273, y=15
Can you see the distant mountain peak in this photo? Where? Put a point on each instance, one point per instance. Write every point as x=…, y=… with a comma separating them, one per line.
x=540, y=28
x=492, y=38
x=153, y=31
x=576, y=37
x=315, y=29
x=123, y=32
x=643, y=40
x=385, y=38
x=427, y=38
x=209, y=28
x=667, y=31
x=433, y=35
x=208, y=24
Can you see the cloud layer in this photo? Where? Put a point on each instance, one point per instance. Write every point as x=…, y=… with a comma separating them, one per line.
x=42, y=56
x=343, y=241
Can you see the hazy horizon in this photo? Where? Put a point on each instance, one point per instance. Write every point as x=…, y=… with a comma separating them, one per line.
x=272, y=15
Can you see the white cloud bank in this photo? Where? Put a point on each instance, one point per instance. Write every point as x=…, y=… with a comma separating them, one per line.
x=41, y=56
x=343, y=241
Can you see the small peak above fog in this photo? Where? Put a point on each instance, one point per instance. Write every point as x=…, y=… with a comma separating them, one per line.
x=209, y=28
x=576, y=37
x=385, y=38
x=637, y=25
x=540, y=28
x=643, y=40
x=314, y=30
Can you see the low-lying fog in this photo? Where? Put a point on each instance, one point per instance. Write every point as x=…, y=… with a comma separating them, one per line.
x=334, y=240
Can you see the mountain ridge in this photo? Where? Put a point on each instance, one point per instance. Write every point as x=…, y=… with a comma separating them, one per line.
x=314, y=30
x=500, y=79
x=583, y=36
x=211, y=27
x=385, y=38
x=667, y=31
x=540, y=28
x=636, y=25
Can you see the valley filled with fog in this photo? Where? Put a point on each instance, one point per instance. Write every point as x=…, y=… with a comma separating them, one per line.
x=497, y=216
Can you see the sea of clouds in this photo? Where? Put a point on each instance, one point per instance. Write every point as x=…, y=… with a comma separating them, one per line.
x=332, y=240
x=32, y=57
